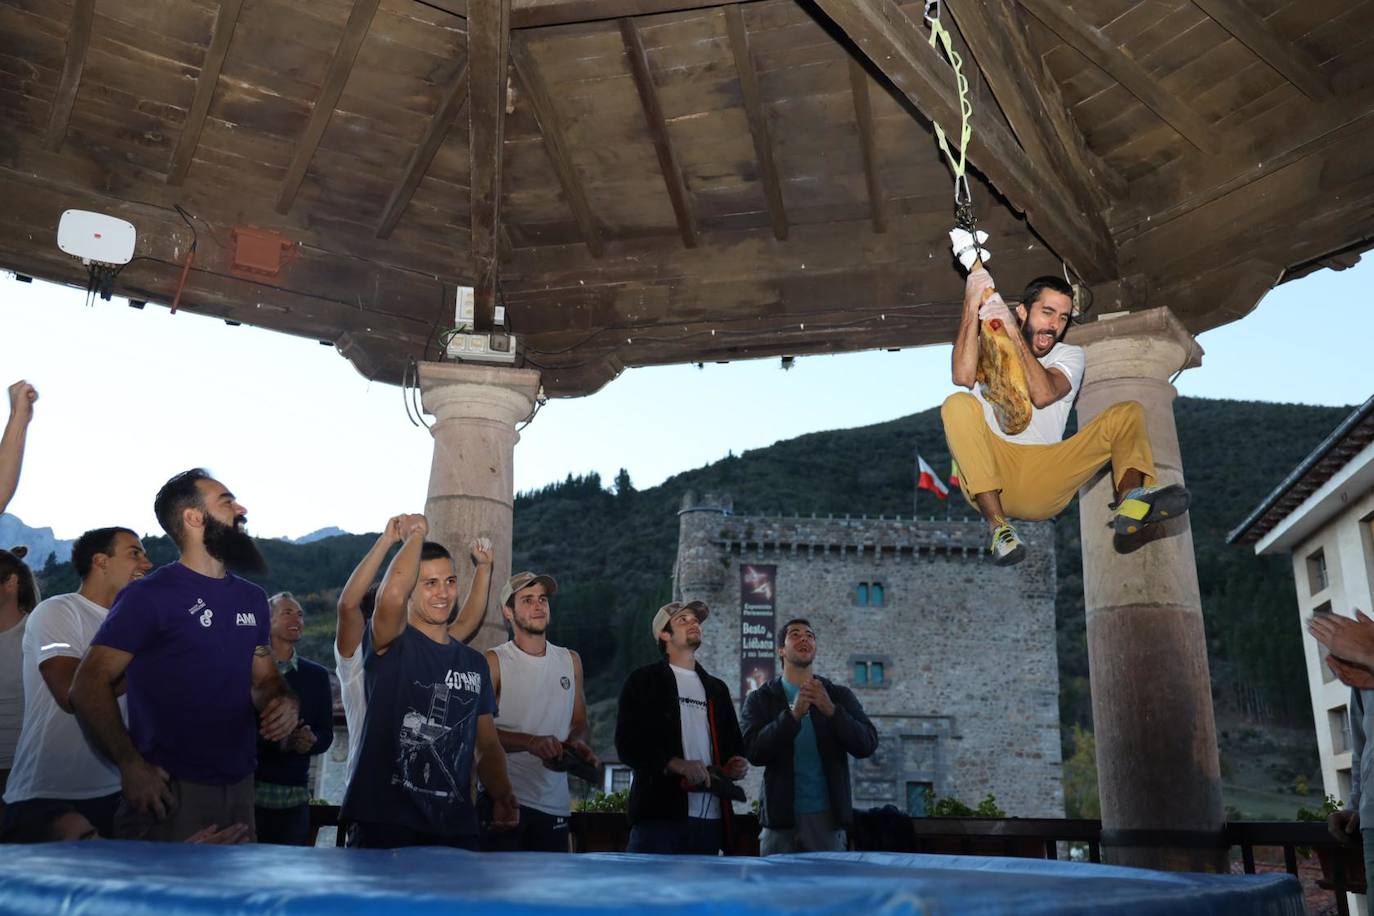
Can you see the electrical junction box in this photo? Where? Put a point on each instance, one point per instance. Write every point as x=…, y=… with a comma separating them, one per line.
x=464, y=310
x=96, y=237
x=482, y=348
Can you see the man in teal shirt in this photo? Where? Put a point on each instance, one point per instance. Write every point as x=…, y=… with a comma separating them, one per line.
x=802, y=729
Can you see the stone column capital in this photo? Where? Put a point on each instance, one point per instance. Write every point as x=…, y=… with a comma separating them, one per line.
x=1149, y=344
x=452, y=391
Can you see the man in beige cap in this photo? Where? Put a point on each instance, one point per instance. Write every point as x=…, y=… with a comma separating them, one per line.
x=542, y=720
x=677, y=729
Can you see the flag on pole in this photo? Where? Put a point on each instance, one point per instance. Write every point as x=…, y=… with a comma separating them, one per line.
x=926, y=479
x=953, y=473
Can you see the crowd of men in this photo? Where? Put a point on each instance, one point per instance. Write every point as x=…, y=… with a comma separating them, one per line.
x=170, y=704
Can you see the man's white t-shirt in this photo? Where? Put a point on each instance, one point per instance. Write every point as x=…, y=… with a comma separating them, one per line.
x=1047, y=423
x=696, y=736
x=54, y=759
x=353, y=693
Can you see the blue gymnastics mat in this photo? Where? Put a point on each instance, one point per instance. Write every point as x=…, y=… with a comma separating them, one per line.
x=103, y=878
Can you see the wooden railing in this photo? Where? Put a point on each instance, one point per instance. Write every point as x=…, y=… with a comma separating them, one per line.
x=1342, y=863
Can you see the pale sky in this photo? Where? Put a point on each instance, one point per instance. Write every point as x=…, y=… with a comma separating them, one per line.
x=129, y=397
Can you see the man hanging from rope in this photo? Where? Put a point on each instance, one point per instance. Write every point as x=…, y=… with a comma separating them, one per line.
x=1033, y=474
x=1008, y=435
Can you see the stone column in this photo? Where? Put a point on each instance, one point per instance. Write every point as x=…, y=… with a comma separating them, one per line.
x=1157, y=767
x=472, y=478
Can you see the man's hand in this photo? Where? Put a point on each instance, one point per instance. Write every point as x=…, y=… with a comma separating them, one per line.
x=584, y=750
x=979, y=281
x=412, y=525
x=392, y=532
x=505, y=812
x=302, y=740
x=145, y=786
x=1344, y=825
x=802, y=704
x=279, y=718
x=480, y=549
x=232, y=835
x=1349, y=640
x=1351, y=675
x=546, y=747
x=818, y=697
x=22, y=397
x=996, y=310
x=693, y=772
x=736, y=768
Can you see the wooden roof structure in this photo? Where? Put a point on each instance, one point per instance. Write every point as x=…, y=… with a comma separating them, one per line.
x=655, y=181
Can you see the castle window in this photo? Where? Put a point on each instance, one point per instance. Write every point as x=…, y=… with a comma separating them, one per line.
x=869, y=670
x=917, y=796
x=868, y=594
x=1317, y=578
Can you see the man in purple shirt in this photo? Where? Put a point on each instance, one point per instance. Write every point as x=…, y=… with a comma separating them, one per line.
x=189, y=642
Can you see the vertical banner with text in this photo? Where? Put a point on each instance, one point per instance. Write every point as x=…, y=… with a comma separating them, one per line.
x=758, y=656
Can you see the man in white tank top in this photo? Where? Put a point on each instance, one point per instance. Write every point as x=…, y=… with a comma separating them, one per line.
x=541, y=719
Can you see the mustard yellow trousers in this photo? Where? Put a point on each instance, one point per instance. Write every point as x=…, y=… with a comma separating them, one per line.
x=1037, y=481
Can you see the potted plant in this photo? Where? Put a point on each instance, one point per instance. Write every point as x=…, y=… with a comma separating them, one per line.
x=1349, y=856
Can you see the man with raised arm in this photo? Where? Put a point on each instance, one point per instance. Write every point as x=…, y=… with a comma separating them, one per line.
x=430, y=704
x=1034, y=474
x=22, y=397
x=543, y=718
x=54, y=762
x=355, y=606
x=191, y=642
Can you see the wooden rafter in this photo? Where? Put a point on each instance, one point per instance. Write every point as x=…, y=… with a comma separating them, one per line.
x=900, y=51
x=1030, y=100
x=658, y=129
x=355, y=30
x=1253, y=32
x=488, y=52
x=450, y=106
x=533, y=14
x=225, y=20
x=78, y=39
x=1093, y=44
x=758, y=121
x=555, y=142
x=863, y=115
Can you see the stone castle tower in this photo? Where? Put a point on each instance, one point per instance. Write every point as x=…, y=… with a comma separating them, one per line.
x=953, y=659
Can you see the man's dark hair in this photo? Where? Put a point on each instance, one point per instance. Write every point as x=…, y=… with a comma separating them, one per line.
x=97, y=540
x=28, y=595
x=36, y=825
x=433, y=550
x=782, y=634
x=662, y=644
x=176, y=496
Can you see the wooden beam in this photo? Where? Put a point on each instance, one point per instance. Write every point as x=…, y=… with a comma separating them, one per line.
x=898, y=49
x=488, y=53
x=359, y=21
x=185, y=151
x=1029, y=98
x=533, y=14
x=1253, y=32
x=863, y=114
x=78, y=39
x=555, y=142
x=658, y=129
x=450, y=106
x=1093, y=44
x=758, y=121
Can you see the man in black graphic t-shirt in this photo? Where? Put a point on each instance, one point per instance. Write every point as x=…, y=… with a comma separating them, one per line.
x=429, y=714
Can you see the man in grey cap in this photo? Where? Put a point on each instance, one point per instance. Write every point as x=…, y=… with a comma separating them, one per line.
x=541, y=720
x=678, y=731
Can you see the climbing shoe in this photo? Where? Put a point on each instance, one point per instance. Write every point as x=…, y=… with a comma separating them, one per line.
x=1146, y=506
x=1007, y=547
